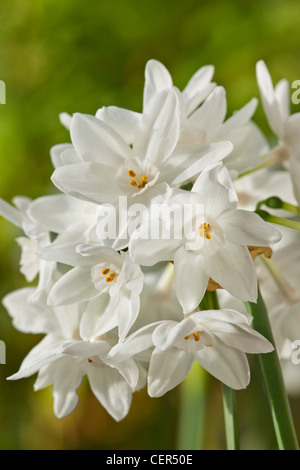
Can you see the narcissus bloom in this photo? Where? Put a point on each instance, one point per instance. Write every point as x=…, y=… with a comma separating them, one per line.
x=276, y=104
x=217, y=339
x=219, y=247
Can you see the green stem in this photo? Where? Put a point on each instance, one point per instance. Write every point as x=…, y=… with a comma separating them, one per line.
x=229, y=395
x=271, y=370
x=192, y=415
x=290, y=223
x=230, y=418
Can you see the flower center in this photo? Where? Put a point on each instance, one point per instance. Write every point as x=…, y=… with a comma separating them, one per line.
x=111, y=275
x=204, y=231
x=196, y=336
x=138, y=183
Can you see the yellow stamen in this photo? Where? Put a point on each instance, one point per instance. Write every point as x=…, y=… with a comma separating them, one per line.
x=196, y=336
x=140, y=184
x=111, y=277
x=105, y=271
x=204, y=231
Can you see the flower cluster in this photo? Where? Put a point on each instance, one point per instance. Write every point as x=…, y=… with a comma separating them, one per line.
x=154, y=209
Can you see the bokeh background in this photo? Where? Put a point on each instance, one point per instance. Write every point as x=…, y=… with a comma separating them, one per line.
x=74, y=56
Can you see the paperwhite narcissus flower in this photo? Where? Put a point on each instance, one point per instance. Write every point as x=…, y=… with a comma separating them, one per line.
x=219, y=247
x=276, y=104
x=36, y=236
x=217, y=339
x=98, y=270
x=63, y=359
x=111, y=168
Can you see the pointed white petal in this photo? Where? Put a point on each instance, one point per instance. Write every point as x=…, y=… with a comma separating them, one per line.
x=12, y=214
x=45, y=352
x=232, y=267
x=158, y=130
x=198, y=88
x=123, y=121
x=95, y=141
x=27, y=316
x=74, y=286
x=111, y=389
x=89, y=181
x=212, y=112
x=97, y=319
x=268, y=97
x=228, y=365
x=247, y=228
x=191, y=278
x=167, y=370
x=157, y=79
x=216, y=190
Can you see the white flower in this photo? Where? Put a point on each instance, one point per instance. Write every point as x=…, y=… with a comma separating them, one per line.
x=98, y=270
x=62, y=358
x=217, y=339
x=276, y=104
x=111, y=168
x=36, y=237
x=219, y=247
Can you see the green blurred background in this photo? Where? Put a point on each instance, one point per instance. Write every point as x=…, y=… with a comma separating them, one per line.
x=74, y=56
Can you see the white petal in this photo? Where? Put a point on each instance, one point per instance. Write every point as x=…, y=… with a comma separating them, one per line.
x=97, y=319
x=137, y=342
x=282, y=93
x=167, y=370
x=247, y=228
x=65, y=119
x=123, y=121
x=95, y=141
x=157, y=79
x=74, y=286
x=66, y=376
x=45, y=352
x=216, y=190
x=148, y=252
x=240, y=117
x=191, y=278
x=89, y=181
x=86, y=349
x=57, y=212
x=228, y=365
x=12, y=214
x=57, y=151
x=240, y=337
x=268, y=97
x=169, y=333
x=111, y=389
x=205, y=156
x=158, y=131
x=232, y=267
x=65, y=253
x=27, y=316
x=198, y=88
x=212, y=112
